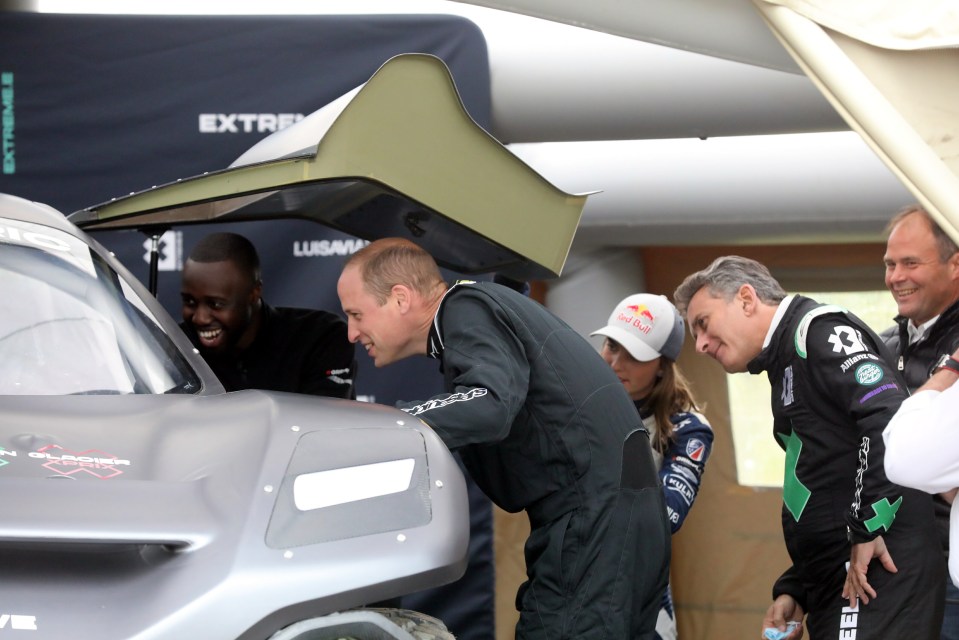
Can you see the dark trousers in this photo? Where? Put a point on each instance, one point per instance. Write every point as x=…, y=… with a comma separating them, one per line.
x=909, y=603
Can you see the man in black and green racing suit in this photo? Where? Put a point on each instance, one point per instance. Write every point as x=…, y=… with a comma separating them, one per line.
x=866, y=561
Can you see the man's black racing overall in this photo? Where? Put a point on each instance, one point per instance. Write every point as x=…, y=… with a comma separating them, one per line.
x=832, y=394
x=543, y=424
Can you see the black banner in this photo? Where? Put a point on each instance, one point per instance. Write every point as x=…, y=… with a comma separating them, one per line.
x=94, y=107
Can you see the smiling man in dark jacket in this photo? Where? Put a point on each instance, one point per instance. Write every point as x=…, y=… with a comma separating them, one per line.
x=250, y=344
x=922, y=273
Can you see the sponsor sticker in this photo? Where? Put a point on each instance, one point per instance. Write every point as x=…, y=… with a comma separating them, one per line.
x=846, y=340
x=682, y=488
x=68, y=463
x=787, y=394
x=845, y=366
x=885, y=387
x=868, y=374
x=696, y=449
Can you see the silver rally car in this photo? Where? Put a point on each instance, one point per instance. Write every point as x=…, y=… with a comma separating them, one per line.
x=140, y=499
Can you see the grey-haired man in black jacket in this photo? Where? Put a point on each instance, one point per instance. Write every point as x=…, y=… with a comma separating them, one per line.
x=864, y=551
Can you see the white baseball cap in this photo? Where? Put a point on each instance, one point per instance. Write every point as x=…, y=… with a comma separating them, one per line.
x=647, y=325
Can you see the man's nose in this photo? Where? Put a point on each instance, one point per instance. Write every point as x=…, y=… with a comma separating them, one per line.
x=895, y=273
x=352, y=334
x=201, y=315
x=702, y=343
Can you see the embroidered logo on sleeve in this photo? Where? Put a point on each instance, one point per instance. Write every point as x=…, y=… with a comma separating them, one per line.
x=336, y=376
x=868, y=374
x=696, y=449
x=846, y=340
x=889, y=386
x=787, y=394
x=860, y=475
x=849, y=362
x=437, y=403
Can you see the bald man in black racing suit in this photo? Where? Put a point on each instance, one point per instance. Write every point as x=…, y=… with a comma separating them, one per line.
x=542, y=424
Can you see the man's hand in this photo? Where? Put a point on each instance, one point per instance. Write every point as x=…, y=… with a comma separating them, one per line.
x=857, y=586
x=942, y=378
x=784, y=609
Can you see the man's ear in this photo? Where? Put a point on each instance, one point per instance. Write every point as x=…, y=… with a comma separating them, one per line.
x=401, y=296
x=954, y=264
x=747, y=298
x=256, y=293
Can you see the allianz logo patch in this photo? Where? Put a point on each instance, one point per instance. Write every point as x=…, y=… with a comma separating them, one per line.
x=845, y=366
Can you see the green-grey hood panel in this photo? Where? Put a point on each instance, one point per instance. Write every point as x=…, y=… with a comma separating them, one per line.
x=403, y=158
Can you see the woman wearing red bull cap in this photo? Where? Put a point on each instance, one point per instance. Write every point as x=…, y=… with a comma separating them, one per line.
x=644, y=336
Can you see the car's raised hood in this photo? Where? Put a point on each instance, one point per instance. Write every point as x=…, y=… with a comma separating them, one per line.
x=398, y=156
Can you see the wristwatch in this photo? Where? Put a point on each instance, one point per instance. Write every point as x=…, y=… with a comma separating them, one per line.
x=947, y=362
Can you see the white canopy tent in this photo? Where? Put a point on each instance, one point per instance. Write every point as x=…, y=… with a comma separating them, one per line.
x=887, y=67
x=684, y=147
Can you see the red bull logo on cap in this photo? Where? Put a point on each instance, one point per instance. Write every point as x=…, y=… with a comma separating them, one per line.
x=637, y=315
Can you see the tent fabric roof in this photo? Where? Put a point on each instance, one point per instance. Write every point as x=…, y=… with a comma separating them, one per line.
x=901, y=97
x=890, y=24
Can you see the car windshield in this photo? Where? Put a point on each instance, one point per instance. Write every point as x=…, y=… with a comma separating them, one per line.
x=70, y=325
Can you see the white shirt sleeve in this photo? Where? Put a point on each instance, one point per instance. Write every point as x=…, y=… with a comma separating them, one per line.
x=922, y=441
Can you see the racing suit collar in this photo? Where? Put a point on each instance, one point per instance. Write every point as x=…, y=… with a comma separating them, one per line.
x=434, y=342
x=761, y=361
x=780, y=312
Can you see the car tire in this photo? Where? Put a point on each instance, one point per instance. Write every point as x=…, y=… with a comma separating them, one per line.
x=419, y=625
